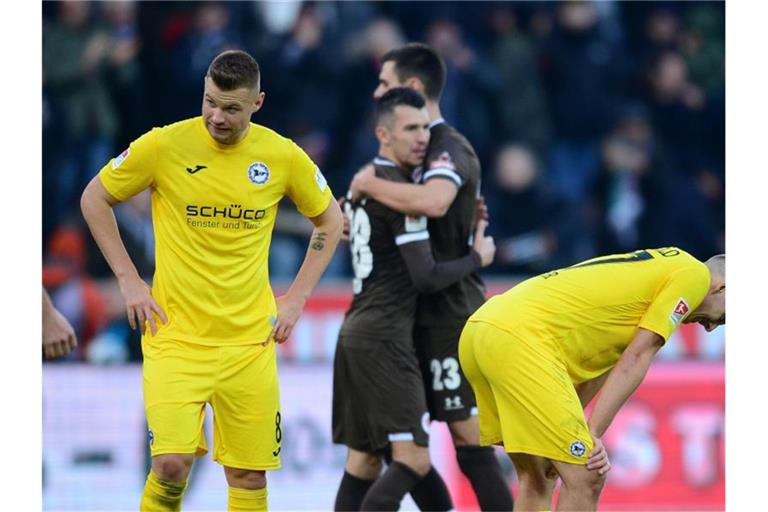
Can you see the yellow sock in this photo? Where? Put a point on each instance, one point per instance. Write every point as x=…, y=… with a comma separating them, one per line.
x=161, y=495
x=247, y=499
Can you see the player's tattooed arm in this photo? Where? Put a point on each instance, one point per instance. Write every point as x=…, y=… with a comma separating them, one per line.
x=318, y=241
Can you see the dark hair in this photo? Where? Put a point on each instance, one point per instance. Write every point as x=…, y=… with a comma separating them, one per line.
x=234, y=69
x=385, y=106
x=417, y=60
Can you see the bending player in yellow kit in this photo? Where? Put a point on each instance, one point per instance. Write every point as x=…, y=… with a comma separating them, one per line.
x=538, y=353
x=208, y=320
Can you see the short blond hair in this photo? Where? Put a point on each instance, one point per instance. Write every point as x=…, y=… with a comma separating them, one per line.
x=716, y=265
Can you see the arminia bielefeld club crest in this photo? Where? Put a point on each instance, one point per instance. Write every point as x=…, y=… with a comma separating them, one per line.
x=258, y=173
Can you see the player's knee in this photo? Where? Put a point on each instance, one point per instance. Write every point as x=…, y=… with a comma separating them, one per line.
x=363, y=465
x=172, y=467
x=415, y=457
x=465, y=432
x=245, y=478
x=587, y=483
x=538, y=482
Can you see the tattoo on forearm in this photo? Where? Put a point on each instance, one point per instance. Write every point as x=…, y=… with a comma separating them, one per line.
x=318, y=241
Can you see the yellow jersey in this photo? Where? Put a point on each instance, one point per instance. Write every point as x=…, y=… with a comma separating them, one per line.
x=593, y=309
x=213, y=210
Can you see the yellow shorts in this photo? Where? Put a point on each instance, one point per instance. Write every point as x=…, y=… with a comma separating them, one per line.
x=240, y=383
x=525, y=398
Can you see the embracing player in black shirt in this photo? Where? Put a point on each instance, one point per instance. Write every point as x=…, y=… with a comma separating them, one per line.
x=379, y=404
x=447, y=193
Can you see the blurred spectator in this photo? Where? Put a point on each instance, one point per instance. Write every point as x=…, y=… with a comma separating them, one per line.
x=532, y=229
x=211, y=32
x=520, y=101
x=629, y=193
x=353, y=142
x=125, y=77
x=471, y=86
x=75, y=68
x=578, y=62
x=703, y=45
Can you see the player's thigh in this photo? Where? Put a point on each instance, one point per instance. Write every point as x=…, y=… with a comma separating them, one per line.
x=536, y=473
x=488, y=414
x=539, y=410
x=248, y=429
x=178, y=380
x=449, y=393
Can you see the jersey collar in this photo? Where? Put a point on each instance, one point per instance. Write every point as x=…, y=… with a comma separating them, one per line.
x=383, y=161
x=436, y=122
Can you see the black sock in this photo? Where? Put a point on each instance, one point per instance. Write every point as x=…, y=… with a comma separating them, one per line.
x=351, y=492
x=431, y=493
x=482, y=468
x=390, y=487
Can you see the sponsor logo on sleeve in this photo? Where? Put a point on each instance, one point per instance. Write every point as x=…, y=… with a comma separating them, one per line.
x=681, y=309
x=258, y=173
x=119, y=159
x=444, y=161
x=320, y=179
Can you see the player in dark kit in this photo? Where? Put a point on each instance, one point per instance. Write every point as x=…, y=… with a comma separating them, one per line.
x=447, y=192
x=379, y=402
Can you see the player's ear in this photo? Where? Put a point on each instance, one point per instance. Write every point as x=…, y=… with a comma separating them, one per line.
x=258, y=102
x=415, y=83
x=382, y=134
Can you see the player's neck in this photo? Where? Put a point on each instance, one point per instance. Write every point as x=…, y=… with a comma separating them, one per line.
x=433, y=109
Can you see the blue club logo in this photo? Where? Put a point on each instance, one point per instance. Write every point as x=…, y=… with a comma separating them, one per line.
x=258, y=173
x=578, y=449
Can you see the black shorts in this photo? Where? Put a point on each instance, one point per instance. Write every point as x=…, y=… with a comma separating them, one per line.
x=378, y=395
x=449, y=394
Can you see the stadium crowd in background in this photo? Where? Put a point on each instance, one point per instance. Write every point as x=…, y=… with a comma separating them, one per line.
x=599, y=126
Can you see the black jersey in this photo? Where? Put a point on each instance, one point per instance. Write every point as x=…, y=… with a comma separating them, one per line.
x=450, y=156
x=385, y=298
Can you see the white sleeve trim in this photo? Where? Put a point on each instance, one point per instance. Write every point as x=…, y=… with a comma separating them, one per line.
x=448, y=173
x=407, y=238
x=400, y=436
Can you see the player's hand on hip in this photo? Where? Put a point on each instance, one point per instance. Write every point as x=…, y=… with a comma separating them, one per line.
x=140, y=306
x=598, y=458
x=289, y=310
x=360, y=181
x=59, y=337
x=484, y=245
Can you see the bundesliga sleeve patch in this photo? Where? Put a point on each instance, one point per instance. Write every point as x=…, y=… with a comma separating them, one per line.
x=320, y=179
x=415, y=224
x=119, y=159
x=444, y=161
x=681, y=309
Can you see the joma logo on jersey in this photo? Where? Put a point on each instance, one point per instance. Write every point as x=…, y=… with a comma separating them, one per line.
x=233, y=211
x=258, y=173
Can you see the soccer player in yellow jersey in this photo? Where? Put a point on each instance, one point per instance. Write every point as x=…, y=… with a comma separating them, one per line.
x=209, y=320
x=538, y=353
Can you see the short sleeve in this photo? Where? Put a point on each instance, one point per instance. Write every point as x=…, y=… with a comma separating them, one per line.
x=680, y=295
x=133, y=170
x=408, y=229
x=307, y=187
x=442, y=163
